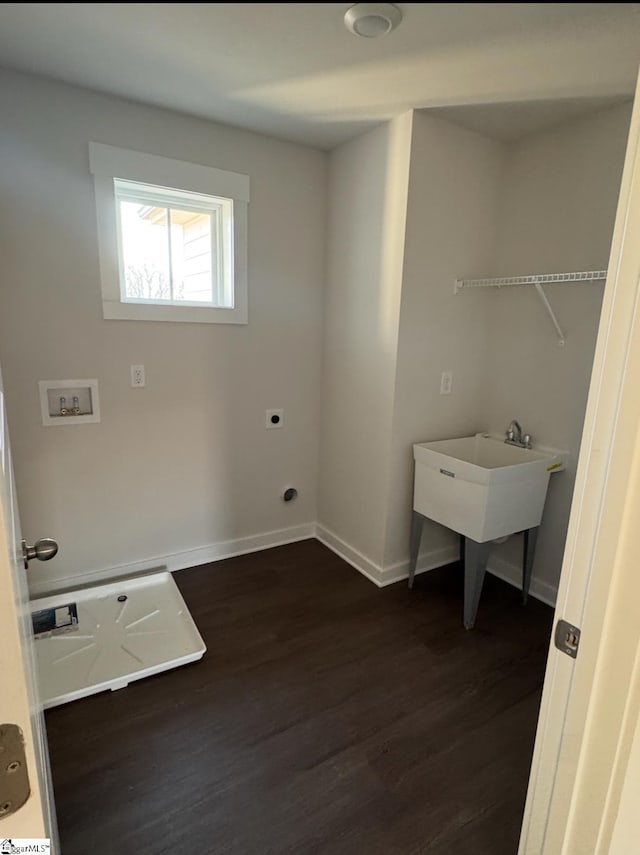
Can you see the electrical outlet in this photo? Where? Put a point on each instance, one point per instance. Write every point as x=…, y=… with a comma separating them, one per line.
x=446, y=382
x=274, y=419
x=137, y=376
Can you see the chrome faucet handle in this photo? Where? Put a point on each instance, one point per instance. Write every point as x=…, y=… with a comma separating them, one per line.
x=526, y=440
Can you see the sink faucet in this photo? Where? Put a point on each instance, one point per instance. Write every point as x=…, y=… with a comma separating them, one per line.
x=514, y=436
x=514, y=432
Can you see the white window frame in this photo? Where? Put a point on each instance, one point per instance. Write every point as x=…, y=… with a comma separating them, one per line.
x=220, y=245
x=108, y=163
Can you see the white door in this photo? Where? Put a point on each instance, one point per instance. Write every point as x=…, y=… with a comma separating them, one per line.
x=19, y=703
x=590, y=705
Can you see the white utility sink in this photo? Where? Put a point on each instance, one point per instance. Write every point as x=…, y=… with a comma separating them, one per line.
x=482, y=487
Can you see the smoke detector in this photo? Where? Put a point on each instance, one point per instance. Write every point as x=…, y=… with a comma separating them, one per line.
x=371, y=20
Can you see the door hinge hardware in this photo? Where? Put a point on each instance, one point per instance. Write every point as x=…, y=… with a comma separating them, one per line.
x=14, y=780
x=567, y=638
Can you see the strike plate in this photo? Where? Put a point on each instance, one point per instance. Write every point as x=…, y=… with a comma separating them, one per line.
x=14, y=780
x=567, y=638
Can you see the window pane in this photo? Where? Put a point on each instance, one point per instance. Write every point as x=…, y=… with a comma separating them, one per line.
x=191, y=256
x=145, y=251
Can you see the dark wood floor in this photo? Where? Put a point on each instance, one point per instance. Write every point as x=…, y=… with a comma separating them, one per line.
x=327, y=717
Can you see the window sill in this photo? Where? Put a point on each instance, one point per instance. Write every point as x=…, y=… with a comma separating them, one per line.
x=117, y=311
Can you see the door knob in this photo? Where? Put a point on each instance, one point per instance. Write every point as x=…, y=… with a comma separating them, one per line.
x=43, y=549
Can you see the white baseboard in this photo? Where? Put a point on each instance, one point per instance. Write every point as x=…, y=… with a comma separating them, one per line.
x=362, y=564
x=512, y=574
x=426, y=561
x=382, y=576
x=177, y=560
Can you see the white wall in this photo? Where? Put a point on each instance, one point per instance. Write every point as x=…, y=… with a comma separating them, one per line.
x=368, y=181
x=474, y=207
x=559, y=197
x=185, y=462
x=451, y=220
x=185, y=466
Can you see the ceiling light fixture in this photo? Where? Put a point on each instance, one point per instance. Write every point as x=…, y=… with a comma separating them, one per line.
x=371, y=20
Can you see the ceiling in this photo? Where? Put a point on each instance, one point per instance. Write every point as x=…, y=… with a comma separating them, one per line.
x=293, y=70
x=509, y=121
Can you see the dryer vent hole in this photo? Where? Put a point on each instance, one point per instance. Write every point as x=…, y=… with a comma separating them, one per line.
x=290, y=494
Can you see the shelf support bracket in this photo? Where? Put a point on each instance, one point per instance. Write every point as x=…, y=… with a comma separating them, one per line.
x=551, y=313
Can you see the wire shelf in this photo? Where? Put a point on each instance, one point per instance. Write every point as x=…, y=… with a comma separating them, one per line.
x=537, y=280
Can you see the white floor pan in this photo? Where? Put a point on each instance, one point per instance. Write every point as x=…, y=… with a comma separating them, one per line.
x=125, y=631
